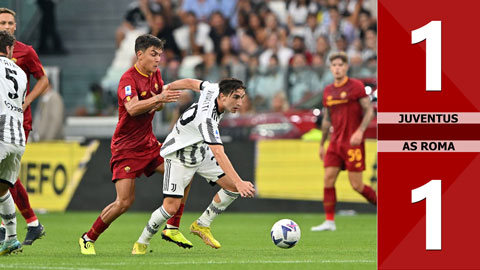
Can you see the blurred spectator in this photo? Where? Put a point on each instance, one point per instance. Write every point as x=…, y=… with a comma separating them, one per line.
x=301, y=79
x=48, y=29
x=272, y=26
x=49, y=117
x=265, y=83
x=248, y=48
x=338, y=26
x=298, y=46
x=298, y=11
x=136, y=18
x=122, y=61
x=370, y=49
x=226, y=54
x=255, y=25
x=172, y=19
x=193, y=37
x=323, y=47
x=219, y=29
x=227, y=8
x=162, y=30
x=311, y=32
x=279, y=103
x=274, y=47
x=201, y=8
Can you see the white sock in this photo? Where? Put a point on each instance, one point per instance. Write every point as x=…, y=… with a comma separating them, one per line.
x=33, y=223
x=215, y=209
x=9, y=218
x=158, y=217
x=171, y=226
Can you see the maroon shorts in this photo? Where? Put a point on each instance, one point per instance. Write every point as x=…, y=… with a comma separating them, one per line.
x=131, y=166
x=345, y=156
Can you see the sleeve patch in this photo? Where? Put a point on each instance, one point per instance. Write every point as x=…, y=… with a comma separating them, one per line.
x=128, y=90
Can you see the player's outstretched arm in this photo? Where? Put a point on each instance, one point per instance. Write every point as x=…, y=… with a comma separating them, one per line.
x=181, y=84
x=136, y=107
x=39, y=88
x=368, y=115
x=245, y=188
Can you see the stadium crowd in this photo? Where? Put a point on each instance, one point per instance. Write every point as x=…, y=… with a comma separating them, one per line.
x=279, y=48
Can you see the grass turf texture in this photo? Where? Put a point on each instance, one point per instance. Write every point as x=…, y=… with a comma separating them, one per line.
x=245, y=240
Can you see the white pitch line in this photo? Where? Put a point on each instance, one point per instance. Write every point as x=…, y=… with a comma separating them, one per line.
x=15, y=266
x=73, y=267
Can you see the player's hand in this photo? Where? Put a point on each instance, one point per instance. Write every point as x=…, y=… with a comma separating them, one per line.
x=321, y=152
x=157, y=108
x=167, y=95
x=356, y=138
x=25, y=104
x=245, y=188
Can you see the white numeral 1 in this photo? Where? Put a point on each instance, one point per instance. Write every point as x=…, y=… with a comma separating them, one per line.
x=432, y=192
x=432, y=33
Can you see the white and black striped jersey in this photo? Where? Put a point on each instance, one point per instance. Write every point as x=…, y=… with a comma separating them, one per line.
x=196, y=127
x=13, y=85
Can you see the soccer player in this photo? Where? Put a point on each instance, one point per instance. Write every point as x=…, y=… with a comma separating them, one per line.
x=135, y=150
x=25, y=57
x=194, y=146
x=348, y=110
x=13, y=83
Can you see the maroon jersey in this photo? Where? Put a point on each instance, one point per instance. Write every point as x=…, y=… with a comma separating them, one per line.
x=134, y=135
x=345, y=111
x=27, y=59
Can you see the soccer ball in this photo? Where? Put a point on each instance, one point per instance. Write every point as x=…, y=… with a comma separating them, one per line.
x=285, y=233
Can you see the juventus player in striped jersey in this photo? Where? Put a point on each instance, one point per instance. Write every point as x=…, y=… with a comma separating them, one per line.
x=194, y=146
x=13, y=84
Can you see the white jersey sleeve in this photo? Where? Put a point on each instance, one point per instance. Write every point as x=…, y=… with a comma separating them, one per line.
x=13, y=85
x=208, y=115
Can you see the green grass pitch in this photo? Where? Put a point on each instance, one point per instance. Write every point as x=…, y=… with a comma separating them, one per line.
x=245, y=240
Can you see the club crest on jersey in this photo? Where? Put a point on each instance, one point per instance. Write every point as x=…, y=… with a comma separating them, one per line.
x=128, y=90
x=343, y=94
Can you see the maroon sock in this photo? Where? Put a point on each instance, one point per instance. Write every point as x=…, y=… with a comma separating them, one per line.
x=98, y=228
x=369, y=194
x=175, y=219
x=20, y=197
x=329, y=202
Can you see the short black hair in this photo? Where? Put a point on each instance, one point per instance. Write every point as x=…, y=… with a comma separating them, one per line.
x=230, y=85
x=143, y=42
x=6, y=40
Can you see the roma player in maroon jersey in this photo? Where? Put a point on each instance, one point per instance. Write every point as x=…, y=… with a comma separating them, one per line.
x=346, y=108
x=25, y=57
x=135, y=150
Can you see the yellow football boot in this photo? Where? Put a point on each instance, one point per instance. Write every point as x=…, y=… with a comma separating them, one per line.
x=175, y=236
x=205, y=234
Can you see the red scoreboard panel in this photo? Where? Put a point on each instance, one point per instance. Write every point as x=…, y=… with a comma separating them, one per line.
x=428, y=134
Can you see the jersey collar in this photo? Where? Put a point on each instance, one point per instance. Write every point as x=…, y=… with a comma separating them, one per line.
x=141, y=73
x=216, y=107
x=342, y=83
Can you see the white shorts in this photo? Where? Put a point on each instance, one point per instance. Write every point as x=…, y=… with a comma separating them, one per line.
x=177, y=176
x=10, y=156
